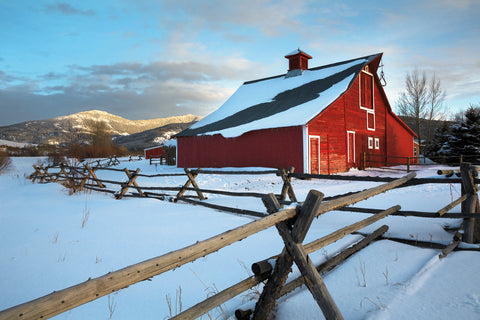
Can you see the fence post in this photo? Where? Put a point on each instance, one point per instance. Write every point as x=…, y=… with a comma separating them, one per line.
x=364, y=161
x=408, y=164
x=461, y=159
x=470, y=205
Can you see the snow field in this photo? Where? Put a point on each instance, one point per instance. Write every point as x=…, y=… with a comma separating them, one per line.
x=43, y=248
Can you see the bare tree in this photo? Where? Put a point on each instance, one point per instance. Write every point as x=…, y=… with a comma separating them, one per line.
x=422, y=100
x=413, y=101
x=436, y=109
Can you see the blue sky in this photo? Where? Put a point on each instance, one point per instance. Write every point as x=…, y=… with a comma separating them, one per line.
x=144, y=59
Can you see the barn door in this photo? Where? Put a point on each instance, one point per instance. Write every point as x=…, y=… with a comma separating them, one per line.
x=351, y=148
x=314, y=144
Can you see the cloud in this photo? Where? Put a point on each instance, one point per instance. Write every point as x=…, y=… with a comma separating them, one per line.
x=271, y=18
x=129, y=89
x=67, y=9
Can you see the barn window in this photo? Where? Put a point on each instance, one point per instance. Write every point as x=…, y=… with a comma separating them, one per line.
x=371, y=120
x=377, y=143
x=370, y=143
x=366, y=90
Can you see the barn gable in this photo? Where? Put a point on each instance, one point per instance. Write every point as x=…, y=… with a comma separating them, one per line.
x=280, y=101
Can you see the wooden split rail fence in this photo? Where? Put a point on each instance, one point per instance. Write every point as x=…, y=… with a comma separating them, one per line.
x=294, y=252
x=291, y=223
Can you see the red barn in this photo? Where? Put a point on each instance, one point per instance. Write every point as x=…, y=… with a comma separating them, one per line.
x=154, y=152
x=319, y=120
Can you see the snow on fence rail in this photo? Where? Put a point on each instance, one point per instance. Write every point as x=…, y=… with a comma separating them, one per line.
x=92, y=289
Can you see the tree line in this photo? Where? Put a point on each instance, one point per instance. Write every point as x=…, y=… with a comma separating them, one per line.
x=423, y=100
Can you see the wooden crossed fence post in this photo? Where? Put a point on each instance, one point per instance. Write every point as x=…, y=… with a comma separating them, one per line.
x=191, y=181
x=131, y=181
x=295, y=252
x=470, y=205
x=287, y=186
x=61, y=173
x=37, y=174
x=91, y=173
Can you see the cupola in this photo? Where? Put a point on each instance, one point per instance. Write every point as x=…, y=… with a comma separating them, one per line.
x=298, y=60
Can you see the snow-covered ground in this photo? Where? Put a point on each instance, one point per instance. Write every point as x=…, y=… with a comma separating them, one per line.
x=9, y=143
x=43, y=247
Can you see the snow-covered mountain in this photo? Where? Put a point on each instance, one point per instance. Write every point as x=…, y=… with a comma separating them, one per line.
x=77, y=127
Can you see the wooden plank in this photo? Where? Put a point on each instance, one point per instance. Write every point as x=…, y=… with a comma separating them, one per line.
x=337, y=259
x=223, y=208
x=313, y=280
x=228, y=193
x=218, y=299
x=36, y=174
x=450, y=206
x=91, y=173
x=470, y=205
x=271, y=290
x=457, y=238
x=354, y=198
x=287, y=186
x=408, y=213
x=69, y=298
x=192, y=177
x=412, y=182
x=230, y=172
x=212, y=302
x=340, y=233
x=133, y=178
x=127, y=185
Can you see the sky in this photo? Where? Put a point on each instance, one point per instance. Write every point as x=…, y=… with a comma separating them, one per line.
x=144, y=59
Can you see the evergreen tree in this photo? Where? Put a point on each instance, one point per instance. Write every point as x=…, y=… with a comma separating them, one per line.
x=464, y=138
x=439, y=141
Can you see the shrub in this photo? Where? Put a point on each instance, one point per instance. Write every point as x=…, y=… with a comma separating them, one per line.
x=170, y=155
x=5, y=161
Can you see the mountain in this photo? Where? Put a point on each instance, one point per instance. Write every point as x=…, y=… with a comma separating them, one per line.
x=152, y=137
x=78, y=127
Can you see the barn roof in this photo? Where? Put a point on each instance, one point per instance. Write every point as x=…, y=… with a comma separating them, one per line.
x=280, y=101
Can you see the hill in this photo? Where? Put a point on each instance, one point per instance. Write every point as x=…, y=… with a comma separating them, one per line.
x=77, y=127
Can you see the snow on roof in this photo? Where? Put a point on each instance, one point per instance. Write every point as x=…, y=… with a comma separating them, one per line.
x=295, y=52
x=280, y=102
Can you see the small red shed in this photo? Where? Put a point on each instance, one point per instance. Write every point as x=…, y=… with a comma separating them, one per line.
x=154, y=152
x=319, y=120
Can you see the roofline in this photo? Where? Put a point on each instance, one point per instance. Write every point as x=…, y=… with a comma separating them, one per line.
x=315, y=68
x=389, y=107
x=150, y=148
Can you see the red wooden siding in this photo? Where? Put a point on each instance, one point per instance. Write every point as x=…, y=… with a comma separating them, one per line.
x=155, y=152
x=399, y=143
x=272, y=148
x=347, y=125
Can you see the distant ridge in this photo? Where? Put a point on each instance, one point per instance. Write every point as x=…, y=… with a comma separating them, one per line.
x=76, y=127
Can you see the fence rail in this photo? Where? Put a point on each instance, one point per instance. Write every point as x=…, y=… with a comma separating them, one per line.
x=370, y=158
x=69, y=298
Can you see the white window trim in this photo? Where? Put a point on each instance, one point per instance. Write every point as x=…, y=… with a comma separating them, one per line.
x=360, y=91
x=306, y=151
x=368, y=125
x=370, y=143
x=377, y=143
x=348, y=146
x=309, y=154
